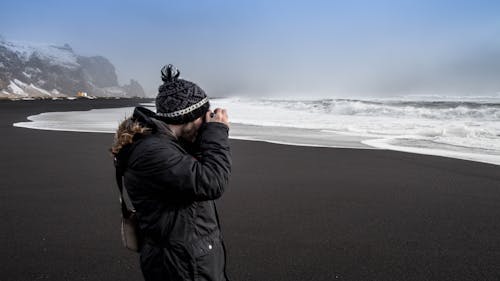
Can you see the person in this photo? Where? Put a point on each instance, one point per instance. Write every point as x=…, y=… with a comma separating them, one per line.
x=177, y=162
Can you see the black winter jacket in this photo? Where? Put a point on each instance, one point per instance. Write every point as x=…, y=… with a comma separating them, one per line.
x=172, y=191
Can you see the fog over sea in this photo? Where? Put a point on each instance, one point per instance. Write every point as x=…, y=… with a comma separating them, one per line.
x=458, y=127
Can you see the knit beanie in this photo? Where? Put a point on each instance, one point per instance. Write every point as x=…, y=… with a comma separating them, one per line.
x=179, y=101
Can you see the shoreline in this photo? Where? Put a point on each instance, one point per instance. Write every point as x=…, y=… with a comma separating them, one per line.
x=282, y=135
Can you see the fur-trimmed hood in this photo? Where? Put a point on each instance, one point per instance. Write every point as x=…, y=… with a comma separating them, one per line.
x=141, y=123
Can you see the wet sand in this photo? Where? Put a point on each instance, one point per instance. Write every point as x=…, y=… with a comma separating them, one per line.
x=290, y=213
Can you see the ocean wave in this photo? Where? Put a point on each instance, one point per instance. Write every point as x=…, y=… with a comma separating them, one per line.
x=417, y=109
x=466, y=130
x=459, y=126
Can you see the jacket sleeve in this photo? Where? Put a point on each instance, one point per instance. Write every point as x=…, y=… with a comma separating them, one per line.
x=203, y=179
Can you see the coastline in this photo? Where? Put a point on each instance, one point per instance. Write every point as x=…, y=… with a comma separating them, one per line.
x=291, y=212
x=105, y=120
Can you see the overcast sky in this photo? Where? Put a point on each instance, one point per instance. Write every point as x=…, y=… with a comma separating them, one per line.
x=280, y=48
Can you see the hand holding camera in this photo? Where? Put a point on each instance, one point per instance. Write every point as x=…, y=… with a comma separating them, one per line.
x=218, y=115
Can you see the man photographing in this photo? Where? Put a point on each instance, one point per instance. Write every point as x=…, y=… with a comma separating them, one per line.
x=176, y=162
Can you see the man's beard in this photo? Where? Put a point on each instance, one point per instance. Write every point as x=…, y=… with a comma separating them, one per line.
x=191, y=144
x=189, y=134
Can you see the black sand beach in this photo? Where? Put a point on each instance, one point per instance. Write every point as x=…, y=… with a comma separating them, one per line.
x=291, y=213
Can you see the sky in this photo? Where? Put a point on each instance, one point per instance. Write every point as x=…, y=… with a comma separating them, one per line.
x=280, y=48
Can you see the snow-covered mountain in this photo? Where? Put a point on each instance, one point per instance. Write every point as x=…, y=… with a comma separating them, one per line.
x=36, y=70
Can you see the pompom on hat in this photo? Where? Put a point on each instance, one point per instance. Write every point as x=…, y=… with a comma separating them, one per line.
x=179, y=101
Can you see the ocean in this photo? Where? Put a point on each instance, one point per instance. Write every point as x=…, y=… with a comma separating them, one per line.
x=458, y=127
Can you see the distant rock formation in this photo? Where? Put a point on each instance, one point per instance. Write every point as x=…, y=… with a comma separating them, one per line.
x=32, y=70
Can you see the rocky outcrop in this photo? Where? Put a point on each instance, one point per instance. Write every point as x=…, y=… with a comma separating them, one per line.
x=30, y=70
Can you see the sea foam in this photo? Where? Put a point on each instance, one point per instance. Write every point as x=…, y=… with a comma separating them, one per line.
x=466, y=129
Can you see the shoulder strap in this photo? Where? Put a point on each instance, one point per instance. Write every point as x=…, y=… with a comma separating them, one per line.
x=119, y=182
